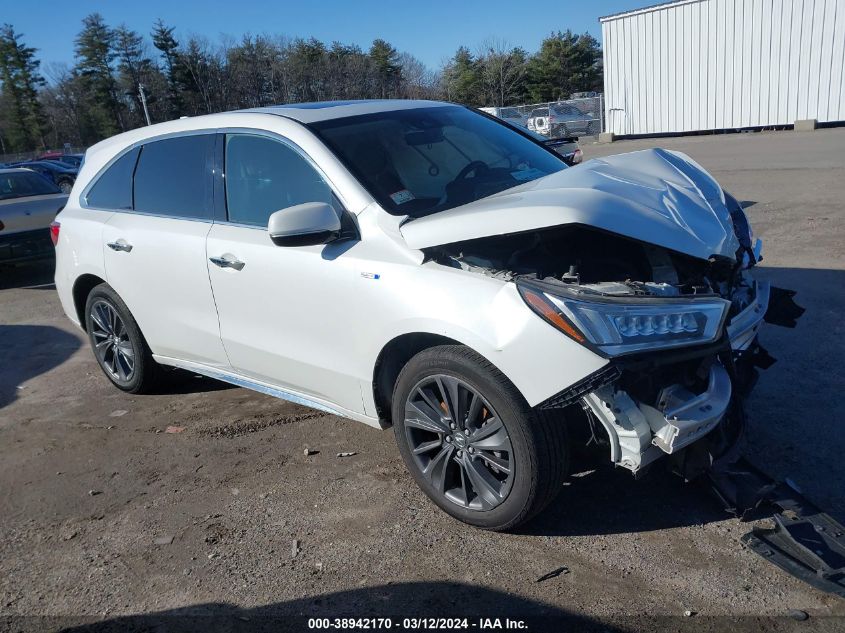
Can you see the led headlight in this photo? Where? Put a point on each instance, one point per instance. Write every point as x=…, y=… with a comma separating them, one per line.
x=623, y=325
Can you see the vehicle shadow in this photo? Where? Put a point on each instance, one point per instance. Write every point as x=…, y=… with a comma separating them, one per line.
x=37, y=273
x=396, y=601
x=29, y=351
x=608, y=501
x=181, y=382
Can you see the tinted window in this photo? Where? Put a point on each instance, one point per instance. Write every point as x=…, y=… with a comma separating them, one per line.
x=173, y=177
x=23, y=184
x=424, y=160
x=264, y=176
x=113, y=190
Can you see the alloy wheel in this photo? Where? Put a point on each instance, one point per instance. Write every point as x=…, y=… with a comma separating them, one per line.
x=459, y=443
x=112, y=346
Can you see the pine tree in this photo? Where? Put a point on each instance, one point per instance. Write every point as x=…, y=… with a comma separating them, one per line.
x=165, y=42
x=133, y=67
x=388, y=69
x=95, y=55
x=462, y=79
x=564, y=64
x=19, y=102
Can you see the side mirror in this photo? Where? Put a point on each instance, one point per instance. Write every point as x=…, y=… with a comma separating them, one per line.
x=304, y=224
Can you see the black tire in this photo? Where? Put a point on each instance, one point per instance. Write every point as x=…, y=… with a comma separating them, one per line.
x=145, y=372
x=539, y=456
x=65, y=185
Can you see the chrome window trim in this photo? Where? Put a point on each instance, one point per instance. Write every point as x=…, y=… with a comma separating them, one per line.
x=274, y=136
x=83, y=197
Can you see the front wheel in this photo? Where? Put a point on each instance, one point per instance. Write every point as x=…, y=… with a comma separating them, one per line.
x=471, y=441
x=65, y=186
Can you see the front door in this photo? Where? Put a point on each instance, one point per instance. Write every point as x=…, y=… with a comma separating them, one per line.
x=280, y=308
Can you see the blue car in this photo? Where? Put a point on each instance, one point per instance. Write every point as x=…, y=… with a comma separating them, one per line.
x=62, y=174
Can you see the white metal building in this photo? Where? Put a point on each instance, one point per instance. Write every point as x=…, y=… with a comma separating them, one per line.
x=723, y=64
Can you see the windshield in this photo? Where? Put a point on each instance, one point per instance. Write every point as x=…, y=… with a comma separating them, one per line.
x=20, y=184
x=421, y=161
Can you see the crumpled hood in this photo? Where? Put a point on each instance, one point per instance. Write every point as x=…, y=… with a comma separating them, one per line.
x=655, y=196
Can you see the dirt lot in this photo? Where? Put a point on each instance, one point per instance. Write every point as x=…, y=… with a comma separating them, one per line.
x=106, y=514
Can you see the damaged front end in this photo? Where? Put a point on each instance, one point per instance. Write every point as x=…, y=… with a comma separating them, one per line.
x=679, y=332
x=681, y=338
x=643, y=259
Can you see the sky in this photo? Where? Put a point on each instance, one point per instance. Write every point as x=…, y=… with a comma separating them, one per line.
x=431, y=30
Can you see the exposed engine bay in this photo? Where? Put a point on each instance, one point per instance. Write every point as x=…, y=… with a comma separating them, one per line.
x=593, y=262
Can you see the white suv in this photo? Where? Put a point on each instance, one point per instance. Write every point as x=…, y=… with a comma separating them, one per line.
x=422, y=265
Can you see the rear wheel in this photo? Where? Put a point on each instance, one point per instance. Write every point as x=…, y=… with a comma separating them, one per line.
x=471, y=441
x=65, y=185
x=117, y=342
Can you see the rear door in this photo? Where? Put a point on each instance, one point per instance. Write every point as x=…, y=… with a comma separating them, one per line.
x=155, y=249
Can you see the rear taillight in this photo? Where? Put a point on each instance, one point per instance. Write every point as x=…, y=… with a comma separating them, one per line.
x=54, y=232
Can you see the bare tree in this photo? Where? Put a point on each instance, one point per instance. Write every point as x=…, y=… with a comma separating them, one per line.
x=419, y=81
x=503, y=72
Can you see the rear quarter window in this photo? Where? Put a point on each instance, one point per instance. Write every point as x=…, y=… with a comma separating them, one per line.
x=113, y=189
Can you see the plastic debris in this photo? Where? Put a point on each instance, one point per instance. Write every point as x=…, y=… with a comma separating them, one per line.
x=347, y=454
x=174, y=429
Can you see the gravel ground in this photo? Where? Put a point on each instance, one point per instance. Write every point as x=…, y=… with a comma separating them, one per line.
x=105, y=514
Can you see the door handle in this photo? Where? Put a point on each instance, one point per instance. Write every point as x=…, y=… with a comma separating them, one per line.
x=120, y=245
x=226, y=262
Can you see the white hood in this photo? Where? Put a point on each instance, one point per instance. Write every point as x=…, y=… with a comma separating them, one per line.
x=655, y=196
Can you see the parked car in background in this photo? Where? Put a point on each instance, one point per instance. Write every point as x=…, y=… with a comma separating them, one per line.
x=74, y=160
x=424, y=266
x=585, y=95
x=29, y=202
x=509, y=114
x=62, y=174
x=568, y=148
x=560, y=120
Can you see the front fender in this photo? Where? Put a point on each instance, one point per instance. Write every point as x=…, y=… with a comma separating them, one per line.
x=493, y=320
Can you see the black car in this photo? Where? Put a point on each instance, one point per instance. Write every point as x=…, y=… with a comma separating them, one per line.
x=567, y=148
x=62, y=174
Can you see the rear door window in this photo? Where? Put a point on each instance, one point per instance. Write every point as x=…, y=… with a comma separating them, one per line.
x=113, y=190
x=174, y=178
x=264, y=175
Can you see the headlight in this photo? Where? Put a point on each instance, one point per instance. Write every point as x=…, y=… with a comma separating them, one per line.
x=621, y=326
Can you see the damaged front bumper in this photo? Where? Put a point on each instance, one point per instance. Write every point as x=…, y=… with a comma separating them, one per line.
x=688, y=394
x=640, y=433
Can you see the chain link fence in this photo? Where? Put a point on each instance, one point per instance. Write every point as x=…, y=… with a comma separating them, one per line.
x=557, y=119
x=20, y=157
